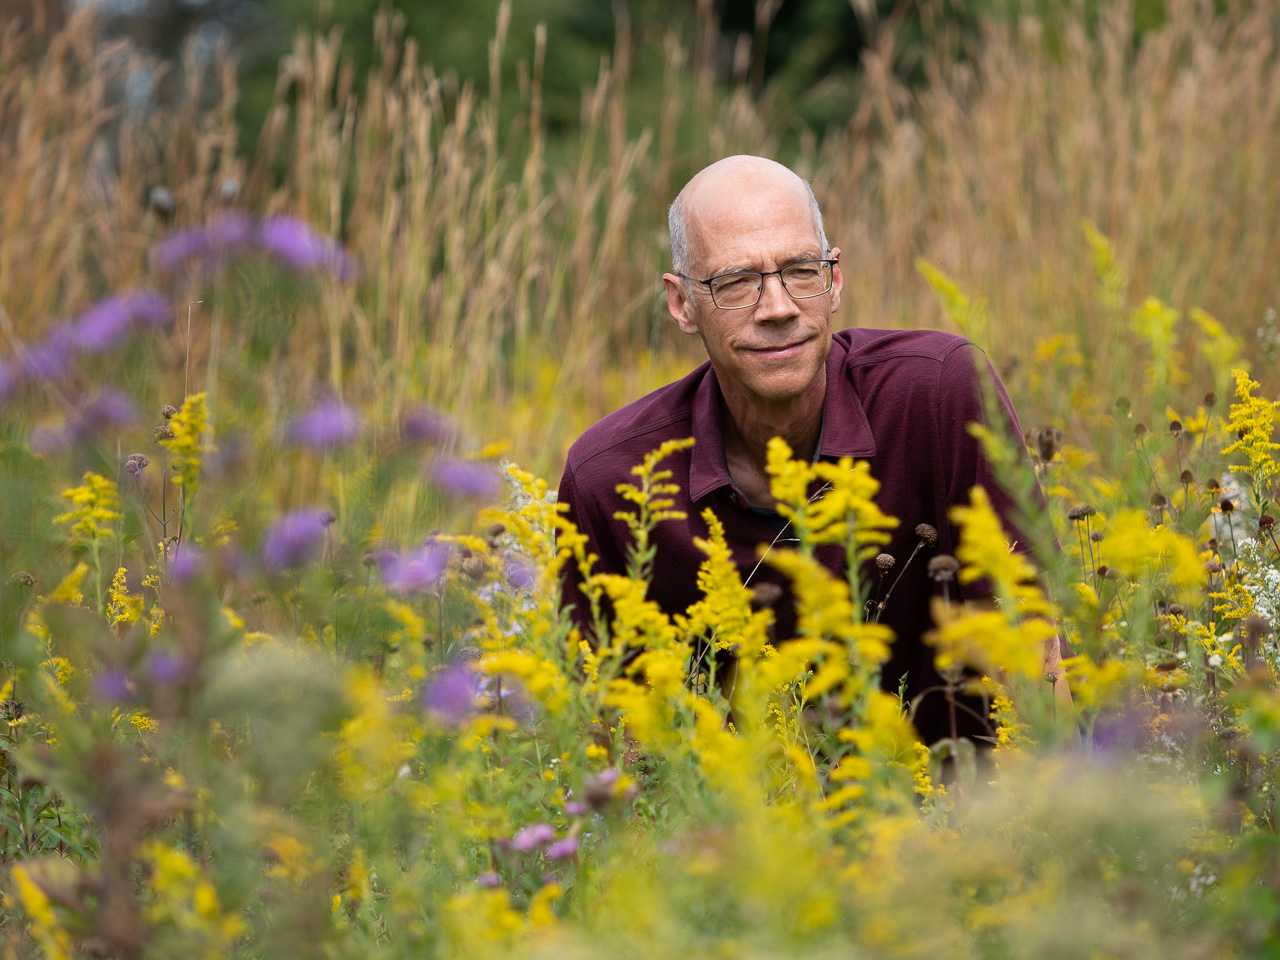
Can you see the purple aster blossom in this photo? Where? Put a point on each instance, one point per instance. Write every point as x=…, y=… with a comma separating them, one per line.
x=111, y=685
x=47, y=441
x=211, y=244
x=48, y=360
x=575, y=808
x=105, y=323
x=530, y=838
x=415, y=570
x=293, y=540
x=520, y=573
x=563, y=849
x=426, y=425
x=186, y=564
x=298, y=246
x=110, y=408
x=489, y=879
x=329, y=424
x=451, y=694
x=466, y=478
x=165, y=668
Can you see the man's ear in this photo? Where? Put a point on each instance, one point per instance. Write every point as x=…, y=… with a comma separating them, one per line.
x=680, y=304
x=837, y=279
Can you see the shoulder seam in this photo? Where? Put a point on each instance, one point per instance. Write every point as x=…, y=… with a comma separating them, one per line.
x=618, y=441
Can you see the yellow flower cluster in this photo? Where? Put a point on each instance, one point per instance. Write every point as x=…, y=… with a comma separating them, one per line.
x=95, y=508
x=189, y=444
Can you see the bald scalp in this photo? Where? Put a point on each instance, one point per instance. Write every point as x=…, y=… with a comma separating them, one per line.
x=720, y=183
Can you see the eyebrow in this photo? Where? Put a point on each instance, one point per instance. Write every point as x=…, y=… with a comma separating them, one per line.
x=782, y=264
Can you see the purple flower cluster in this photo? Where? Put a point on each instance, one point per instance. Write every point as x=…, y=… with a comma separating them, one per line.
x=294, y=540
x=451, y=694
x=425, y=425
x=329, y=424
x=99, y=328
x=415, y=570
x=466, y=479
x=541, y=836
x=288, y=240
x=106, y=411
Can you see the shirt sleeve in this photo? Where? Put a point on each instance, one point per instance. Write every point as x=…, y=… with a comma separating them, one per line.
x=970, y=391
x=587, y=512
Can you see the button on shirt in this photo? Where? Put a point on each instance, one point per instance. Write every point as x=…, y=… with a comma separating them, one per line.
x=899, y=399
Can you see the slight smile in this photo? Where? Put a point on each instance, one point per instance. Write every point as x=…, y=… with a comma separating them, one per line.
x=780, y=352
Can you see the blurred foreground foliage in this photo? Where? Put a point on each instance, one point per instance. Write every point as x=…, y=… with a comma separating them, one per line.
x=281, y=677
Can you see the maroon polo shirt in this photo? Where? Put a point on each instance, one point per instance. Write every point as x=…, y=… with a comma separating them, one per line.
x=899, y=399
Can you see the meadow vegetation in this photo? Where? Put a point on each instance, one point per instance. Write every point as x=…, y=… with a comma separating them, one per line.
x=283, y=669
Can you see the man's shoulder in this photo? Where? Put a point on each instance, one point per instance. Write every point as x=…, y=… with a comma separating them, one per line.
x=866, y=346
x=634, y=430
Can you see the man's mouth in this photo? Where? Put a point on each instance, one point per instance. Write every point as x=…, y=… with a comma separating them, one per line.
x=781, y=351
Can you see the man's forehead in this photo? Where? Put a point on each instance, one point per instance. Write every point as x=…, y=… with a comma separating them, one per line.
x=728, y=200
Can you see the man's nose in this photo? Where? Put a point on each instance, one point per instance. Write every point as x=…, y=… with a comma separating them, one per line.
x=774, y=299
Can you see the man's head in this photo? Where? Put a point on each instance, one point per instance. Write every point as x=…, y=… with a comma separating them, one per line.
x=752, y=214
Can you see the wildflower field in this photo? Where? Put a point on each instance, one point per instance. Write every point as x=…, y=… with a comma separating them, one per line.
x=283, y=670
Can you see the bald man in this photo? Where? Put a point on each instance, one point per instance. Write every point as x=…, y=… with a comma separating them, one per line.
x=754, y=278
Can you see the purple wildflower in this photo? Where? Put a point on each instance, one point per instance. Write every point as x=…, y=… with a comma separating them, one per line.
x=465, y=478
x=575, y=808
x=296, y=245
x=47, y=441
x=110, y=408
x=426, y=425
x=329, y=424
x=415, y=570
x=111, y=685
x=186, y=563
x=48, y=360
x=489, y=879
x=563, y=849
x=295, y=539
x=451, y=694
x=520, y=573
x=528, y=839
x=165, y=668
x=211, y=243
x=105, y=323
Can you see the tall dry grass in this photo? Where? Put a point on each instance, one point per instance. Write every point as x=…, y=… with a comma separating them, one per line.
x=502, y=285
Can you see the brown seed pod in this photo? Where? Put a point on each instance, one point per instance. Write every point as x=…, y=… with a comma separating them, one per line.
x=943, y=568
x=927, y=532
x=885, y=561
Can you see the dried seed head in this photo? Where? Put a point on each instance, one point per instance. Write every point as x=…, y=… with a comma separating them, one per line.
x=1213, y=544
x=1175, y=610
x=1097, y=536
x=136, y=463
x=943, y=568
x=765, y=595
x=1241, y=433
x=1089, y=509
x=1225, y=505
x=1139, y=429
x=1212, y=484
x=1210, y=399
x=1076, y=514
x=162, y=432
x=1175, y=428
x=21, y=579
x=468, y=655
x=885, y=561
x=12, y=709
x=496, y=530
x=1045, y=441
x=1266, y=522
x=168, y=410
x=1159, y=500
x=1123, y=406
x=927, y=532
x=1107, y=573
x=1212, y=566
x=327, y=518
x=1255, y=628
x=162, y=203
x=1186, y=477
x=473, y=568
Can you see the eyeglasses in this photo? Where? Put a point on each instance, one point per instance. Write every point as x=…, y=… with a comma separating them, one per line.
x=733, y=291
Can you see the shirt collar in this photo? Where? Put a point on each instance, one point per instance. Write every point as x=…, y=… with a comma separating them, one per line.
x=846, y=431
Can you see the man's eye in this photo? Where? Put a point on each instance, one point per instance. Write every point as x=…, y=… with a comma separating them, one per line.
x=730, y=284
x=804, y=271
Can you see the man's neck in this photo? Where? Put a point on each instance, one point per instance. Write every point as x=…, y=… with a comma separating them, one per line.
x=751, y=423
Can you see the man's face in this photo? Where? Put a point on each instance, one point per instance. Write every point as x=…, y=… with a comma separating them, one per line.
x=774, y=351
